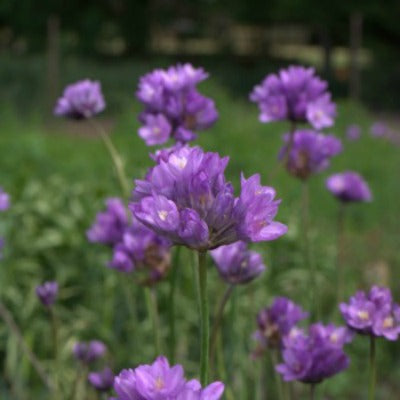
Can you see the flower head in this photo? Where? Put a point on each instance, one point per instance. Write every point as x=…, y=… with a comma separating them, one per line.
x=309, y=152
x=236, y=264
x=172, y=105
x=185, y=198
x=379, y=129
x=88, y=352
x=102, y=380
x=47, y=293
x=295, y=94
x=4, y=200
x=314, y=357
x=349, y=187
x=353, y=132
x=81, y=100
x=373, y=313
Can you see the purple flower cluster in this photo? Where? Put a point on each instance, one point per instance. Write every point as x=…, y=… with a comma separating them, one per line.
x=295, y=94
x=4, y=205
x=102, y=380
x=160, y=381
x=236, y=264
x=88, y=352
x=349, y=187
x=312, y=358
x=276, y=321
x=135, y=247
x=81, y=100
x=378, y=129
x=353, y=132
x=308, y=152
x=186, y=198
x=373, y=313
x=47, y=293
x=173, y=106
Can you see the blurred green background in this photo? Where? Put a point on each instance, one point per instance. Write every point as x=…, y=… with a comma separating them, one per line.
x=58, y=173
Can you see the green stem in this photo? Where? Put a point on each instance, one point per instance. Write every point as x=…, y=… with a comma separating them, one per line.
x=171, y=305
x=340, y=254
x=115, y=157
x=54, y=328
x=372, y=368
x=204, y=318
x=151, y=303
x=278, y=380
x=312, y=391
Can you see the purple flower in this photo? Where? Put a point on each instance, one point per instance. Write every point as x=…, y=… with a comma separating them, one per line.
x=186, y=199
x=277, y=320
x=379, y=129
x=160, y=381
x=236, y=264
x=373, y=313
x=348, y=187
x=47, y=293
x=80, y=100
x=172, y=105
x=310, y=152
x=295, y=94
x=314, y=357
x=88, y=352
x=4, y=200
x=353, y=132
x=110, y=225
x=102, y=380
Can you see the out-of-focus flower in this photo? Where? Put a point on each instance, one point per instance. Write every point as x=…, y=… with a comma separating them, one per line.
x=173, y=107
x=88, y=352
x=314, y=357
x=353, y=132
x=160, y=381
x=295, y=94
x=4, y=200
x=379, y=129
x=186, y=199
x=373, y=313
x=236, y=264
x=308, y=152
x=47, y=293
x=349, y=187
x=81, y=100
x=102, y=380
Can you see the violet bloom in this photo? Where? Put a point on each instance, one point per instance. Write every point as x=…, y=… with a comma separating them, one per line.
x=187, y=200
x=310, y=152
x=314, y=357
x=277, y=320
x=379, y=129
x=349, y=187
x=81, y=100
x=4, y=200
x=236, y=264
x=110, y=225
x=88, y=352
x=47, y=293
x=295, y=94
x=102, y=380
x=173, y=108
x=373, y=313
x=353, y=132
x=160, y=381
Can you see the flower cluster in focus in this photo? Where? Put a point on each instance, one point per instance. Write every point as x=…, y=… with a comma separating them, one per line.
x=47, y=293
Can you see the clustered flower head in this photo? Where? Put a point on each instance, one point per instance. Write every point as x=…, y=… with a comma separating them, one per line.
x=88, y=352
x=186, y=198
x=160, y=381
x=353, y=132
x=349, y=187
x=378, y=129
x=308, y=152
x=81, y=100
x=173, y=107
x=47, y=293
x=236, y=264
x=135, y=247
x=295, y=94
x=373, y=313
x=4, y=200
x=276, y=321
x=102, y=380
x=312, y=357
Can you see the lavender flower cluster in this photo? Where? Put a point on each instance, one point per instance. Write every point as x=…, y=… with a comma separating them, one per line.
x=348, y=187
x=173, y=107
x=4, y=205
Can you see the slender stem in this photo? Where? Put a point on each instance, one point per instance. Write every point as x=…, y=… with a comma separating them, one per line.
x=115, y=157
x=152, y=310
x=312, y=391
x=54, y=328
x=204, y=318
x=372, y=368
x=9, y=320
x=278, y=380
x=340, y=254
x=218, y=320
x=171, y=305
